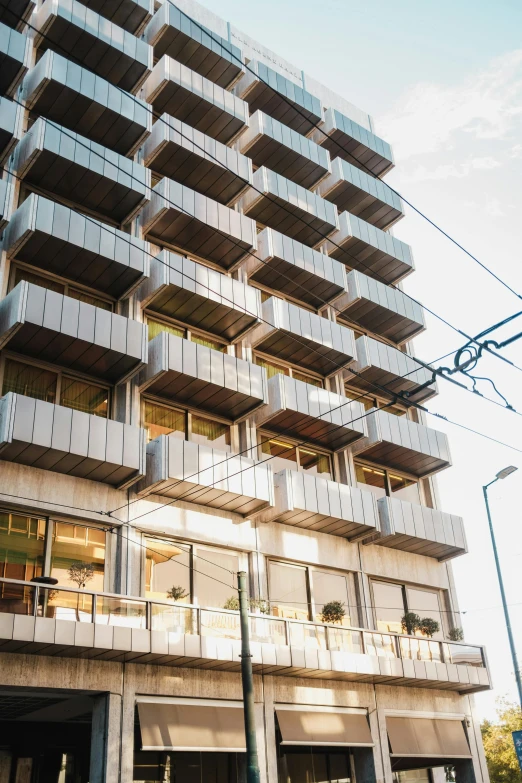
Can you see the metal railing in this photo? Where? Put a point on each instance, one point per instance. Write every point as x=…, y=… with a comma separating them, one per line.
x=61, y=603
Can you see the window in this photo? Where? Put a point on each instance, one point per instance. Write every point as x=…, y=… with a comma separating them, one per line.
x=327, y=587
x=74, y=546
x=21, y=546
x=392, y=601
x=284, y=455
x=168, y=570
x=288, y=591
x=156, y=327
x=273, y=368
x=313, y=764
x=20, y=273
x=214, y=571
x=384, y=482
x=163, y=420
x=42, y=384
x=368, y=402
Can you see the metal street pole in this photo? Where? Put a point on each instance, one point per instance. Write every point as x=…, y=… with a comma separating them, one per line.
x=248, y=682
x=502, y=592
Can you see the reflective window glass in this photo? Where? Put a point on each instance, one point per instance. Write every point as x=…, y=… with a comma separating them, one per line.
x=156, y=327
x=367, y=402
x=213, y=572
x=29, y=380
x=282, y=455
x=210, y=433
x=327, y=588
x=404, y=488
x=78, y=556
x=167, y=571
x=21, y=549
x=373, y=479
x=159, y=420
x=84, y=397
x=301, y=376
x=388, y=601
x=288, y=591
x=425, y=603
x=271, y=368
x=314, y=462
x=194, y=338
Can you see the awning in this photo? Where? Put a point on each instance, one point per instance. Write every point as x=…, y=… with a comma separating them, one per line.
x=311, y=727
x=192, y=724
x=427, y=737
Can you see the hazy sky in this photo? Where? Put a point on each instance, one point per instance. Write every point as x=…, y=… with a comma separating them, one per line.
x=443, y=81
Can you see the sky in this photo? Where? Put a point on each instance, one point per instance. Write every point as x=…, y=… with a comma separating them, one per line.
x=443, y=82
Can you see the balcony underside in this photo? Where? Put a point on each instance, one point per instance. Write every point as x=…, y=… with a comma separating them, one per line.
x=261, y=97
x=350, y=198
x=14, y=13
x=12, y=59
x=289, y=219
x=4, y=198
x=131, y=15
x=381, y=320
x=8, y=127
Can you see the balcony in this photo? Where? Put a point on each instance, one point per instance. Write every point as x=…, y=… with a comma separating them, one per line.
x=383, y=365
x=79, y=623
x=269, y=91
x=376, y=253
x=274, y=145
x=380, y=309
x=15, y=13
x=424, y=531
x=295, y=335
x=199, y=474
x=295, y=270
x=315, y=503
x=58, y=239
x=5, y=198
x=185, y=372
x=344, y=138
x=179, y=217
x=173, y=33
x=45, y=325
x=51, y=437
x=62, y=91
x=362, y=195
x=311, y=414
x=401, y=444
x=200, y=297
x=290, y=209
x=185, y=95
x=14, y=54
x=81, y=171
x=71, y=29
x=177, y=151
x=10, y=127
x=131, y=15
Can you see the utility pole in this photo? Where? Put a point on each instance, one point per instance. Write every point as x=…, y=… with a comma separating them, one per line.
x=248, y=682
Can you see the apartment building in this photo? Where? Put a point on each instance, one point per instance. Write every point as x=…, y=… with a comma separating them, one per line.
x=206, y=367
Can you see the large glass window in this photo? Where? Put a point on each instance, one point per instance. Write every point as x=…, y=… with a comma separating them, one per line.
x=159, y=420
x=384, y=482
x=78, y=556
x=210, y=432
x=288, y=591
x=86, y=397
x=21, y=547
x=61, y=288
x=328, y=587
x=156, y=327
x=168, y=570
x=29, y=380
x=404, y=488
x=425, y=603
x=284, y=456
x=373, y=479
x=388, y=601
x=272, y=368
x=313, y=765
x=214, y=572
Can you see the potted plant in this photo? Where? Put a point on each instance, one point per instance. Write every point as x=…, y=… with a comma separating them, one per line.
x=410, y=623
x=258, y=604
x=333, y=612
x=456, y=635
x=429, y=627
x=177, y=593
x=80, y=574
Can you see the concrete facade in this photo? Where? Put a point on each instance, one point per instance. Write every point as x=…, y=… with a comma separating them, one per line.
x=205, y=368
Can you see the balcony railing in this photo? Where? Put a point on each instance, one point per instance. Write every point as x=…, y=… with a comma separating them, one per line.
x=27, y=598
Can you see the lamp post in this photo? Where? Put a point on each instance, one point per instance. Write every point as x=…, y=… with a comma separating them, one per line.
x=502, y=474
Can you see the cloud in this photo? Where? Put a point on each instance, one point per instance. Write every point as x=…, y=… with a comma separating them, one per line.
x=447, y=170
x=428, y=117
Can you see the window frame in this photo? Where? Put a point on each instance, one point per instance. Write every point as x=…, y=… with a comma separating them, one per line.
x=290, y=367
x=188, y=330
x=265, y=435
x=53, y=278
x=439, y=592
x=188, y=412
x=423, y=495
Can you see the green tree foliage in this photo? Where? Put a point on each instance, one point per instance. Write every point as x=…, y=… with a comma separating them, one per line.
x=498, y=744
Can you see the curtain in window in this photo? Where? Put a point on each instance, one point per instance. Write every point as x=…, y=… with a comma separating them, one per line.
x=211, y=433
x=29, y=381
x=83, y=296
x=208, y=343
x=84, y=397
x=43, y=282
x=271, y=369
x=299, y=376
x=163, y=421
x=156, y=327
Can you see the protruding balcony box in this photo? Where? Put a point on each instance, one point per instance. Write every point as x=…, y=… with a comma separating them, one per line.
x=344, y=138
x=177, y=151
x=300, y=410
x=175, y=89
x=71, y=29
x=296, y=335
x=274, y=145
x=132, y=15
x=367, y=197
x=46, y=325
x=82, y=171
x=294, y=211
x=79, y=100
x=51, y=437
x=282, y=99
x=11, y=115
x=378, y=363
x=380, y=309
x=5, y=195
x=401, y=444
x=186, y=372
x=199, y=474
x=60, y=240
x=418, y=529
x=15, y=13
x=295, y=270
x=14, y=56
x=376, y=253
x=173, y=33
x=200, y=297
x=178, y=216
x=315, y=503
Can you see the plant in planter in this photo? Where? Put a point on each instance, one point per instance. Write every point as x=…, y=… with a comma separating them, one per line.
x=255, y=603
x=177, y=593
x=456, y=635
x=429, y=627
x=80, y=574
x=333, y=612
x=410, y=623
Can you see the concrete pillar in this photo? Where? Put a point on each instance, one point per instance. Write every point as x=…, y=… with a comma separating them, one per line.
x=465, y=772
x=5, y=766
x=106, y=739
x=364, y=765
x=24, y=769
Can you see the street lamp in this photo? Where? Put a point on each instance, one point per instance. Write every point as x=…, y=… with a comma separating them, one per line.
x=502, y=474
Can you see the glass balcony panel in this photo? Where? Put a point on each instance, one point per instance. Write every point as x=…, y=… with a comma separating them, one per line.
x=344, y=640
x=380, y=645
x=267, y=630
x=308, y=637
x=464, y=655
x=222, y=624
x=65, y=605
x=121, y=611
x=175, y=619
x=16, y=599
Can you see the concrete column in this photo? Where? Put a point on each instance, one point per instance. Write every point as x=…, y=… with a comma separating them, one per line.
x=24, y=769
x=364, y=765
x=106, y=739
x=5, y=766
x=465, y=771
x=126, y=560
